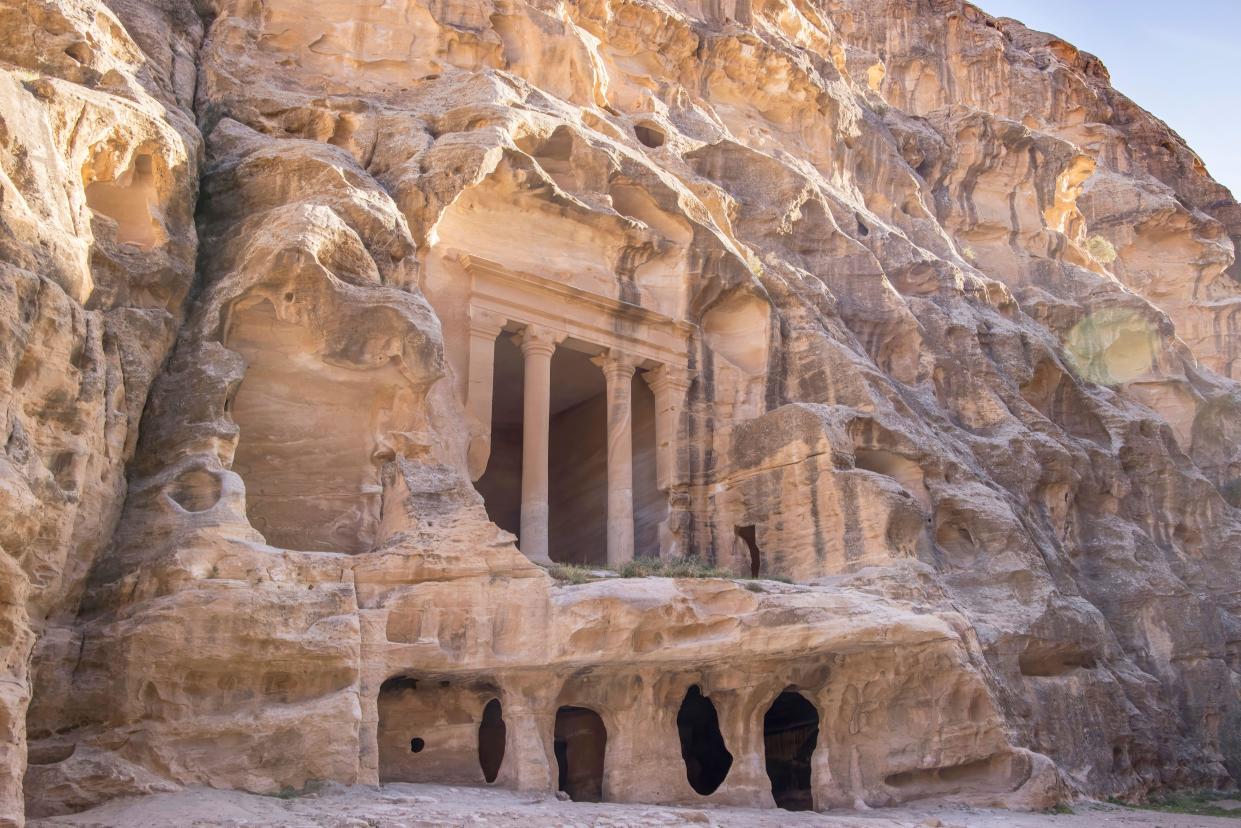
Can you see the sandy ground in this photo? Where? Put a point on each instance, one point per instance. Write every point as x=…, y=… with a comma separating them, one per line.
x=439, y=805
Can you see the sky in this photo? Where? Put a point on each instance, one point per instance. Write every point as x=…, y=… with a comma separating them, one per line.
x=1180, y=60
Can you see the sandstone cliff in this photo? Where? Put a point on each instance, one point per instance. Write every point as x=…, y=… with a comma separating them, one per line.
x=930, y=329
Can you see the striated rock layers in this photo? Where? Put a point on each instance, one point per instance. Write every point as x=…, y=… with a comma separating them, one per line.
x=317, y=316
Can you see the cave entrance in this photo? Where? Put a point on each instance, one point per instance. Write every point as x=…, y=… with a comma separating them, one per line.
x=790, y=735
x=577, y=457
x=500, y=484
x=439, y=731
x=580, y=745
x=577, y=462
x=706, y=756
x=129, y=201
x=749, y=536
x=491, y=737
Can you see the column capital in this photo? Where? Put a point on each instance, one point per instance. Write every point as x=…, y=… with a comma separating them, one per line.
x=669, y=378
x=616, y=365
x=535, y=339
x=486, y=323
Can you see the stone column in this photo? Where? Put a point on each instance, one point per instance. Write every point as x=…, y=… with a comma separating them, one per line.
x=485, y=326
x=618, y=371
x=529, y=709
x=537, y=345
x=741, y=724
x=669, y=385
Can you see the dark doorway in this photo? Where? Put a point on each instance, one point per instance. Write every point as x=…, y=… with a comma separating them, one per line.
x=500, y=484
x=577, y=489
x=790, y=735
x=580, y=745
x=707, y=759
x=749, y=535
x=577, y=456
x=491, y=735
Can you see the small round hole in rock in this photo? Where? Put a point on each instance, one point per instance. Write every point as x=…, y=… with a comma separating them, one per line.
x=196, y=490
x=416, y=745
x=649, y=134
x=79, y=52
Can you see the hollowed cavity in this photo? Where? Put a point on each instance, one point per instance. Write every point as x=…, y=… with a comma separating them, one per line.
x=196, y=490
x=649, y=134
x=441, y=732
x=749, y=536
x=491, y=735
x=790, y=735
x=707, y=760
x=130, y=201
x=580, y=746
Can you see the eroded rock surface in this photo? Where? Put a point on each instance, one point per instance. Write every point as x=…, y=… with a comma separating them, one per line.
x=319, y=315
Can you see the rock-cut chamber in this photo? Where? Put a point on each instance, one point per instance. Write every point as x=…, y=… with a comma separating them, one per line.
x=706, y=756
x=577, y=458
x=790, y=736
x=439, y=731
x=580, y=746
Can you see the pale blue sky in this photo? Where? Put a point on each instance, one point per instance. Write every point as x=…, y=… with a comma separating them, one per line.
x=1181, y=60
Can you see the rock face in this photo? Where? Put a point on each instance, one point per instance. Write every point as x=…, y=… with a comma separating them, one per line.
x=897, y=312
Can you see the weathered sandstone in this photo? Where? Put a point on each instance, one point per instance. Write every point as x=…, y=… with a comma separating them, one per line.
x=328, y=325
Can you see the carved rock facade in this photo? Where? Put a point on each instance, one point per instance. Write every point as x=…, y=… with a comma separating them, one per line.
x=317, y=316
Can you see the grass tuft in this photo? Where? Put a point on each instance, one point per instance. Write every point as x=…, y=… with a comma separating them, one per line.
x=1101, y=250
x=672, y=568
x=1195, y=803
x=572, y=573
x=655, y=568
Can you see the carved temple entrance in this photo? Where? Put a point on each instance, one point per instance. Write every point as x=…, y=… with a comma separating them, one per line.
x=574, y=400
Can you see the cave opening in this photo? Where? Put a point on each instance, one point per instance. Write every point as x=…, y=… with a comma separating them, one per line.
x=580, y=745
x=749, y=536
x=500, y=484
x=706, y=756
x=491, y=737
x=445, y=731
x=649, y=134
x=128, y=201
x=790, y=735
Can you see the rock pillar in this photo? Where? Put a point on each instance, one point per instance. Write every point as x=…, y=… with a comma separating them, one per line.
x=537, y=346
x=529, y=706
x=484, y=328
x=618, y=371
x=669, y=385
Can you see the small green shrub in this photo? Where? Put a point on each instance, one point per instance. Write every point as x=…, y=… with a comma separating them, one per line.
x=672, y=568
x=1197, y=803
x=1101, y=250
x=572, y=573
x=656, y=568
